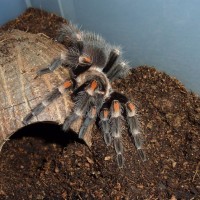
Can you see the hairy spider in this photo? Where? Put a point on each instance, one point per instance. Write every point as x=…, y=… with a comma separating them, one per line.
x=96, y=63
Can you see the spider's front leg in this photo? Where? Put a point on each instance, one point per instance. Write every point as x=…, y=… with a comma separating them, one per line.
x=88, y=101
x=71, y=36
x=53, y=95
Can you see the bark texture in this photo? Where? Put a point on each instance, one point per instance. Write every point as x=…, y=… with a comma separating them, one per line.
x=21, y=55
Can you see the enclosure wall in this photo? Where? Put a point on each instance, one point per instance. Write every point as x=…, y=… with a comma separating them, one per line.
x=160, y=33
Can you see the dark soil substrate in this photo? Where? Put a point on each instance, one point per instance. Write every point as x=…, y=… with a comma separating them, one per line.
x=42, y=162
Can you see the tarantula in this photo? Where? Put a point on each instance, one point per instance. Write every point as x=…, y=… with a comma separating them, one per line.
x=95, y=62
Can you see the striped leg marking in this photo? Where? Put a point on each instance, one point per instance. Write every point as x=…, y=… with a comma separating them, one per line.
x=56, y=93
x=116, y=130
x=54, y=65
x=111, y=122
x=83, y=102
x=134, y=128
x=90, y=117
x=105, y=126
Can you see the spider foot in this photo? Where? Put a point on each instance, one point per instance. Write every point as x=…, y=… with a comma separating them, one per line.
x=51, y=67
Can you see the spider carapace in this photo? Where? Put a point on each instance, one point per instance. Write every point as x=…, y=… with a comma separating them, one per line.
x=95, y=62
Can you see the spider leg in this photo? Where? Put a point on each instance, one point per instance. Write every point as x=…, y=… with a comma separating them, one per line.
x=90, y=117
x=56, y=93
x=134, y=128
x=105, y=126
x=118, y=70
x=50, y=68
x=116, y=119
x=115, y=66
x=72, y=57
x=93, y=110
x=114, y=54
x=83, y=101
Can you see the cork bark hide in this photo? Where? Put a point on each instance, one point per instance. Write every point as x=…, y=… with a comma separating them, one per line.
x=21, y=55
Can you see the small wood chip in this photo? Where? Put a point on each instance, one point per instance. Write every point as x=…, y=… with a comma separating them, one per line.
x=107, y=158
x=79, y=153
x=173, y=198
x=56, y=169
x=90, y=160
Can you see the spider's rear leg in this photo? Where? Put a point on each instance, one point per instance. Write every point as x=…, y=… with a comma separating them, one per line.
x=56, y=93
x=112, y=59
x=115, y=67
x=119, y=70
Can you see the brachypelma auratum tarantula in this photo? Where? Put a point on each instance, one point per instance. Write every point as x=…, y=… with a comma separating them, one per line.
x=96, y=63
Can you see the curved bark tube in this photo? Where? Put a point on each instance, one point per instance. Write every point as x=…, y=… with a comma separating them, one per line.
x=21, y=56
